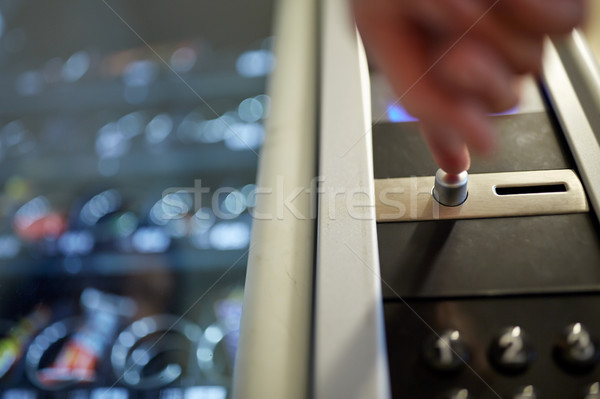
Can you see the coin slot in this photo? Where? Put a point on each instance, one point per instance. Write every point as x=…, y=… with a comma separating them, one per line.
x=536, y=189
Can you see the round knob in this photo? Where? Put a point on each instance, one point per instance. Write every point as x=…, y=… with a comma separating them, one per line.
x=527, y=392
x=458, y=394
x=446, y=352
x=511, y=352
x=593, y=391
x=576, y=351
x=449, y=189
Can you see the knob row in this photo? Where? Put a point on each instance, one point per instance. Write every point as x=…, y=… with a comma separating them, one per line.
x=528, y=392
x=511, y=351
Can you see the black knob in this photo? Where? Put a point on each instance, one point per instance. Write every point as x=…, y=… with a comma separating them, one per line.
x=593, y=391
x=528, y=392
x=576, y=351
x=511, y=351
x=446, y=352
x=458, y=394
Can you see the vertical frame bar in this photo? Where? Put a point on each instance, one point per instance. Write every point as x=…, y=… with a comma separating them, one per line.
x=273, y=356
x=350, y=353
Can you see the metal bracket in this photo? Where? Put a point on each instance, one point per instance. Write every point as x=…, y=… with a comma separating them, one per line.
x=490, y=195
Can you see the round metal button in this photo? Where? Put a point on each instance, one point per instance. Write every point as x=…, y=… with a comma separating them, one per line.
x=576, y=351
x=450, y=189
x=511, y=351
x=446, y=352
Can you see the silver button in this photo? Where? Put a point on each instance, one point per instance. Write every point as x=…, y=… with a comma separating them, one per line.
x=449, y=189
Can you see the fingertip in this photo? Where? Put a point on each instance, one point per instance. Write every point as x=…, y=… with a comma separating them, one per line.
x=453, y=163
x=447, y=148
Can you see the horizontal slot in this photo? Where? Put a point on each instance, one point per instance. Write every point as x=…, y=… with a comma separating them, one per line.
x=537, y=189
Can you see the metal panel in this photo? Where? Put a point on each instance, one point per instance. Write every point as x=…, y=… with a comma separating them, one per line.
x=350, y=355
x=410, y=199
x=273, y=357
x=479, y=321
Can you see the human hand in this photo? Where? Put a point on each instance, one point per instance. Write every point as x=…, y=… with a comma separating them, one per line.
x=453, y=61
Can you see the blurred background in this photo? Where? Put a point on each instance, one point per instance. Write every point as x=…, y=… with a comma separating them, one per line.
x=129, y=140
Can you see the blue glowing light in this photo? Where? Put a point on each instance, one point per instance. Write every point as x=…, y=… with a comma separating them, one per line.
x=396, y=113
x=514, y=110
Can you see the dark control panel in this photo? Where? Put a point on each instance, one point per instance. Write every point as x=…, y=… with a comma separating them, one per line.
x=516, y=347
x=493, y=307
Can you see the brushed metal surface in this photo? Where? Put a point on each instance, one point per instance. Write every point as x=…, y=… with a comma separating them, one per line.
x=410, y=199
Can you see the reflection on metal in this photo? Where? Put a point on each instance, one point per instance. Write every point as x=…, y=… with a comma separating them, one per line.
x=543, y=192
x=572, y=79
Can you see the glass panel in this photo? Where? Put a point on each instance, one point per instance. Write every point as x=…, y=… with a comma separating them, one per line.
x=129, y=134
